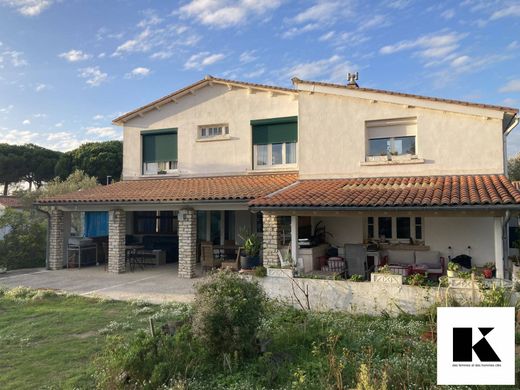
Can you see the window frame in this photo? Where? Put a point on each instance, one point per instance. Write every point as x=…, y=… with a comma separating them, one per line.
x=204, y=130
x=172, y=165
x=392, y=142
x=391, y=129
x=270, y=164
x=413, y=226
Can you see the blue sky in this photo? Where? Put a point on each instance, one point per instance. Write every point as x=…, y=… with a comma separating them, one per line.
x=68, y=67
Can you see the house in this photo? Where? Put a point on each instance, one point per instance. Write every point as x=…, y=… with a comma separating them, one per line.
x=219, y=156
x=5, y=202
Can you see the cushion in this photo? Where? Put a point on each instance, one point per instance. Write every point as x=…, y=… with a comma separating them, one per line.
x=400, y=257
x=431, y=258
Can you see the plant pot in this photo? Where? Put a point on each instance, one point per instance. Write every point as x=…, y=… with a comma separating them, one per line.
x=249, y=262
x=488, y=273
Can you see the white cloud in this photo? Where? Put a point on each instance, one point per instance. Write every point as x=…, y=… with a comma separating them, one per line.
x=41, y=87
x=255, y=73
x=511, y=86
x=510, y=10
x=227, y=13
x=161, y=55
x=63, y=141
x=6, y=109
x=103, y=132
x=26, y=122
x=16, y=136
x=327, y=36
x=448, y=14
x=334, y=69
x=93, y=75
x=513, y=45
x=40, y=115
x=248, y=56
x=375, y=21
x=138, y=72
x=28, y=7
x=294, y=31
x=75, y=55
x=59, y=124
x=150, y=20
x=460, y=61
x=98, y=117
x=398, y=4
x=13, y=57
x=202, y=60
x=320, y=12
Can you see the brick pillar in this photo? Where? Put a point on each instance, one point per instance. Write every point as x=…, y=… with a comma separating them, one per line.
x=56, y=239
x=116, y=241
x=187, y=243
x=271, y=241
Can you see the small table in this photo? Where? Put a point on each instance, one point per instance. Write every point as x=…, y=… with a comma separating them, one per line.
x=131, y=257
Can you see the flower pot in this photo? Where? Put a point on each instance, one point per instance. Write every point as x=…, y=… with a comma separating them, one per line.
x=249, y=262
x=488, y=273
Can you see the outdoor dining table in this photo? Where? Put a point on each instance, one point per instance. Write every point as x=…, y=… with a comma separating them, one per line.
x=131, y=256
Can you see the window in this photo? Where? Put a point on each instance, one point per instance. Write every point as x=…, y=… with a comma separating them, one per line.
x=400, y=229
x=153, y=222
x=159, y=151
x=213, y=131
x=275, y=142
x=391, y=139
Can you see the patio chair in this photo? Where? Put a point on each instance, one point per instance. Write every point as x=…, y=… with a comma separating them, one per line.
x=208, y=259
x=233, y=265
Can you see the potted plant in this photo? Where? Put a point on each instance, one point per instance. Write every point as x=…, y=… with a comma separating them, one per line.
x=453, y=268
x=252, y=245
x=488, y=269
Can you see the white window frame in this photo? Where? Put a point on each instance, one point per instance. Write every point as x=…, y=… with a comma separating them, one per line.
x=153, y=168
x=394, y=228
x=397, y=128
x=270, y=164
x=213, y=132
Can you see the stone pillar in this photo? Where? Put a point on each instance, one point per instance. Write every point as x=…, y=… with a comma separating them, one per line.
x=57, y=245
x=271, y=239
x=116, y=241
x=187, y=243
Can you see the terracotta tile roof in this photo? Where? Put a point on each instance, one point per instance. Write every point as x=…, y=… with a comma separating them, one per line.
x=409, y=95
x=177, y=94
x=230, y=188
x=10, y=201
x=426, y=191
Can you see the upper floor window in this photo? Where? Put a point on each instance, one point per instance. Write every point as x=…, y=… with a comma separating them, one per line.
x=391, y=139
x=275, y=142
x=159, y=151
x=213, y=131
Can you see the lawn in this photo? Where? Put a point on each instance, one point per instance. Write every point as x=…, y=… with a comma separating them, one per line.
x=48, y=340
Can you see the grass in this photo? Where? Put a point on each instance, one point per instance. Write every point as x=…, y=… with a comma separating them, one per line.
x=48, y=340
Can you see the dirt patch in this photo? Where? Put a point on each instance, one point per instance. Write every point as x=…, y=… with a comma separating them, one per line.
x=85, y=335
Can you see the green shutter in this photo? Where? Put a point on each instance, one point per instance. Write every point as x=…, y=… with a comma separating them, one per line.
x=159, y=146
x=275, y=131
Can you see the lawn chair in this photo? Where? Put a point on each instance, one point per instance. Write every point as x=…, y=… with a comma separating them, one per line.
x=233, y=265
x=208, y=259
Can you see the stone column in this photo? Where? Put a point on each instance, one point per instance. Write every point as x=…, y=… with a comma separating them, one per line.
x=116, y=241
x=56, y=240
x=271, y=239
x=187, y=243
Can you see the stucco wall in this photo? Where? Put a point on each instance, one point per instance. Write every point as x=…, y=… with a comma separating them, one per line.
x=210, y=105
x=459, y=233
x=333, y=143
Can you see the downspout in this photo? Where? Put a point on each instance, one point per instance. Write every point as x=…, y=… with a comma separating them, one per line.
x=513, y=124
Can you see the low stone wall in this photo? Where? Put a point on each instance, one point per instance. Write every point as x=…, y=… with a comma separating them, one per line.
x=372, y=298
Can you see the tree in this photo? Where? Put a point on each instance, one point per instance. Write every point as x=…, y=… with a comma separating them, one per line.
x=97, y=159
x=11, y=165
x=39, y=164
x=513, y=167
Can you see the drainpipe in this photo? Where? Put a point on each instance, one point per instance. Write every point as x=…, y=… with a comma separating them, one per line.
x=505, y=239
x=513, y=124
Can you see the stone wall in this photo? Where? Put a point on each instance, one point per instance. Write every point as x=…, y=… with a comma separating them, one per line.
x=56, y=239
x=271, y=239
x=116, y=241
x=362, y=297
x=187, y=243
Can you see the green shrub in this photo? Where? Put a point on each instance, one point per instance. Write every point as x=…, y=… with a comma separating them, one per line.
x=226, y=314
x=496, y=297
x=25, y=244
x=260, y=272
x=357, y=278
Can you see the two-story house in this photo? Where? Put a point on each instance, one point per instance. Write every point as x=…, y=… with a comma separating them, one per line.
x=222, y=156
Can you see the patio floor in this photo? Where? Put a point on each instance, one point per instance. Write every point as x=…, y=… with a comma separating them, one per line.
x=153, y=284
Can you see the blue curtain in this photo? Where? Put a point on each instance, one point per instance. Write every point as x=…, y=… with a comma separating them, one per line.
x=96, y=223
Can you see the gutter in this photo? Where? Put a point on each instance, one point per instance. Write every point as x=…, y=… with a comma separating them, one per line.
x=508, y=207
x=141, y=203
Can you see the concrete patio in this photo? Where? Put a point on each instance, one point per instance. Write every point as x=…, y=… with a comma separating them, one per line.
x=156, y=285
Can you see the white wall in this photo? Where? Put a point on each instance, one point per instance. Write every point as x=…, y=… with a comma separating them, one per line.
x=459, y=233
x=209, y=105
x=345, y=230
x=332, y=141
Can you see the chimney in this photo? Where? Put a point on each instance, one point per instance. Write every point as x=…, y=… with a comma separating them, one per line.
x=352, y=78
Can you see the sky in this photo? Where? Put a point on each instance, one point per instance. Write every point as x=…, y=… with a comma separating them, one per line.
x=68, y=67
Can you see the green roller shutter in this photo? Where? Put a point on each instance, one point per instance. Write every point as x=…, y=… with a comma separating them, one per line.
x=275, y=131
x=159, y=146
